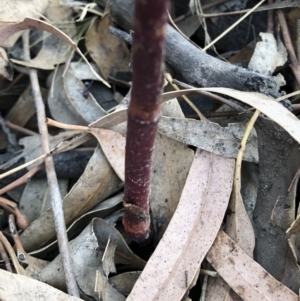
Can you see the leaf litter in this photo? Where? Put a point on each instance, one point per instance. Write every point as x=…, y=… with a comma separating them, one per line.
x=195, y=191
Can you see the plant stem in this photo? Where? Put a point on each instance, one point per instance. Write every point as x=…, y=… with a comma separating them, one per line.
x=143, y=113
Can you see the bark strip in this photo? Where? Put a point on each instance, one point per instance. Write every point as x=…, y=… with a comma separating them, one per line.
x=143, y=113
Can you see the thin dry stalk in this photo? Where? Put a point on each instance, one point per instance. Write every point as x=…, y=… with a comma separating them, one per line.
x=294, y=64
x=56, y=199
x=143, y=113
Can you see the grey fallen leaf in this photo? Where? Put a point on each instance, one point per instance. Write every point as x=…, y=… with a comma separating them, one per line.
x=124, y=283
x=36, y=199
x=86, y=262
x=103, y=210
x=104, y=231
x=211, y=137
x=96, y=183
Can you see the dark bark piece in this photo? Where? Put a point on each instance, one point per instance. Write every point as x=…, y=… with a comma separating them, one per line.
x=279, y=156
x=143, y=113
x=194, y=66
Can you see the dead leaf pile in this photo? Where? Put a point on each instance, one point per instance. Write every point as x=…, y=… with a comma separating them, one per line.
x=224, y=210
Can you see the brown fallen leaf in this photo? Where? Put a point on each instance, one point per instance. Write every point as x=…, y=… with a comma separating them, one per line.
x=245, y=276
x=108, y=51
x=96, y=183
x=30, y=23
x=54, y=51
x=191, y=232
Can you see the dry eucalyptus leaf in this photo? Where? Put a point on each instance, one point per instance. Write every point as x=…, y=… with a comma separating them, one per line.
x=67, y=103
x=24, y=108
x=108, y=51
x=123, y=255
x=191, y=231
x=210, y=136
x=124, y=283
x=96, y=183
x=82, y=71
x=245, y=276
x=86, y=259
x=18, y=10
x=261, y=102
x=108, y=257
x=54, y=50
x=30, y=23
x=36, y=199
x=32, y=147
x=23, y=288
x=102, y=210
x=171, y=164
x=113, y=146
x=6, y=69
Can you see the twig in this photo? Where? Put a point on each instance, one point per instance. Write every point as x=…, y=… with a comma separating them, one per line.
x=5, y=258
x=215, y=97
x=22, y=180
x=233, y=25
x=20, y=129
x=150, y=21
x=270, y=26
x=187, y=100
x=56, y=199
x=289, y=46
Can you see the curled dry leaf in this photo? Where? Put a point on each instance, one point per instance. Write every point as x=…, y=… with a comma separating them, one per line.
x=210, y=136
x=16, y=11
x=124, y=283
x=263, y=103
x=86, y=256
x=67, y=103
x=102, y=210
x=54, y=50
x=18, y=287
x=113, y=146
x=108, y=51
x=29, y=23
x=24, y=108
x=245, y=276
x=96, y=183
x=191, y=231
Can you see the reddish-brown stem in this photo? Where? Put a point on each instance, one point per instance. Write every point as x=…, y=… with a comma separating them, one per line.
x=294, y=64
x=143, y=113
x=270, y=26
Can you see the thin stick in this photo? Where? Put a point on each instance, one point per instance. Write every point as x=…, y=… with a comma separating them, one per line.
x=5, y=258
x=22, y=180
x=56, y=199
x=233, y=25
x=289, y=46
x=20, y=129
x=270, y=26
x=65, y=126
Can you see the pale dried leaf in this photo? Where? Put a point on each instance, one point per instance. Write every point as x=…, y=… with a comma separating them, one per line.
x=54, y=50
x=16, y=11
x=261, y=102
x=29, y=23
x=124, y=283
x=6, y=70
x=245, y=276
x=113, y=146
x=86, y=259
x=108, y=51
x=210, y=136
x=191, y=231
x=19, y=287
x=96, y=183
